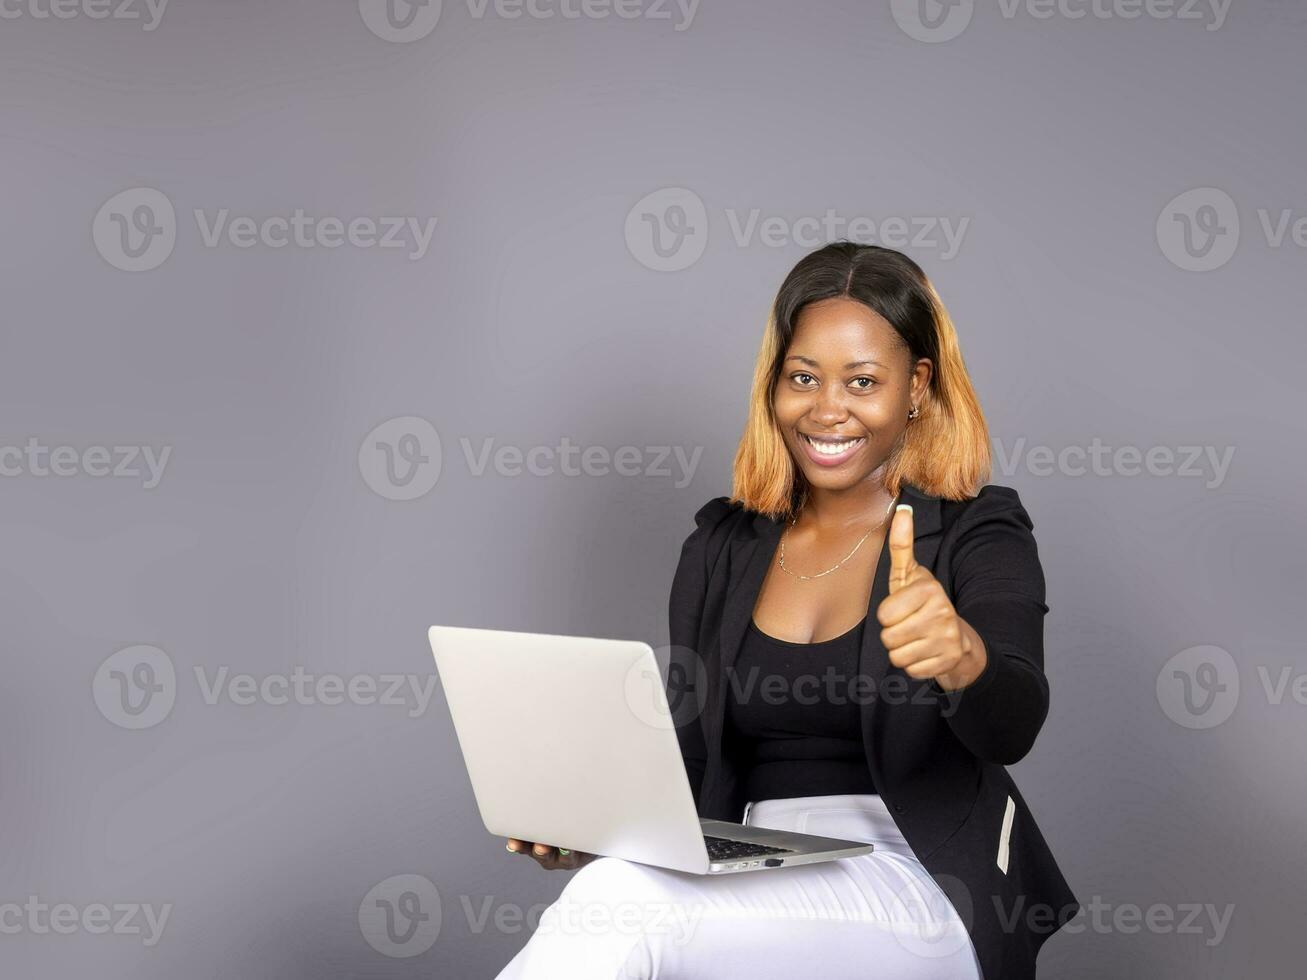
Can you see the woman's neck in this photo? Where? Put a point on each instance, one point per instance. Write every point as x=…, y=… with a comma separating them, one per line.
x=852, y=507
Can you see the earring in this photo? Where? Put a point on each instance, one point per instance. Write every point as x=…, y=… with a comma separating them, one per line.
x=914, y=413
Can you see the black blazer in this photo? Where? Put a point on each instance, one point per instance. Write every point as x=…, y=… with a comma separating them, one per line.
x=937, y=757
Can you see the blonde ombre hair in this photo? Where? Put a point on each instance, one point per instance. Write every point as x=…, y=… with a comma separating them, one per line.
x=945, y=449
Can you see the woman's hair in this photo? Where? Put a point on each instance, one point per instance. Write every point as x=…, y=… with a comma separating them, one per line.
x=945, y=450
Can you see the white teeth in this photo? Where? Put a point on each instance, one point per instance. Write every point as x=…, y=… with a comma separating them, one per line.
x=832, y=448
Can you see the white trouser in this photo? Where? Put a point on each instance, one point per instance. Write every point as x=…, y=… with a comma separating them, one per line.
x=875, y=915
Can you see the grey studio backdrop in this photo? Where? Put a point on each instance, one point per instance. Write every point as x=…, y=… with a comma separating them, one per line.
x=462, y=332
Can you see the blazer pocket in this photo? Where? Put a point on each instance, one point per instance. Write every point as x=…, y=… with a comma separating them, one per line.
x=1005, y=834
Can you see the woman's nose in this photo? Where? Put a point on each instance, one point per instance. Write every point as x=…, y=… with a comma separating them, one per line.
x=829, y=408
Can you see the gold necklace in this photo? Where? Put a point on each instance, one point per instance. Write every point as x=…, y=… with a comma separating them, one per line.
x=846, y=557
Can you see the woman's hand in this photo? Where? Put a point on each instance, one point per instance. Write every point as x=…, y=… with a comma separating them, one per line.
x=923, y=633
x=551, y=858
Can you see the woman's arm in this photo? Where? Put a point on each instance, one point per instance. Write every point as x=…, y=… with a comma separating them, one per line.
x=685, y=613
x=998, y=591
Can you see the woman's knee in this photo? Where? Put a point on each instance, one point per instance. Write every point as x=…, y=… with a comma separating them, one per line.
x=614, y=920
x=611, y=895
x=607, y=878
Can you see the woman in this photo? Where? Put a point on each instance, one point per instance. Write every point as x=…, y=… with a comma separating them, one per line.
x=814, y=717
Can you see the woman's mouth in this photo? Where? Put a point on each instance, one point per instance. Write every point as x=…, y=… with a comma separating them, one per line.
x=830, y=452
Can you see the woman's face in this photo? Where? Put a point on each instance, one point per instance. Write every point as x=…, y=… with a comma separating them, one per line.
x=846, y=384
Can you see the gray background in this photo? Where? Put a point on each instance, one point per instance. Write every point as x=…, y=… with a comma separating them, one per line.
x=1064, y=143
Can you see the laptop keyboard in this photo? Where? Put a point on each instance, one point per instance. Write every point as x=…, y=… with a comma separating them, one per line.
x=723, y=849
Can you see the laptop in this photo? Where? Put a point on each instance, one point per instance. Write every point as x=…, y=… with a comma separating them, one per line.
x=569, y=741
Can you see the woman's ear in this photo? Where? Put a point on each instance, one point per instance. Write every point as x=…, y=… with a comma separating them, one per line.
x=921, y=376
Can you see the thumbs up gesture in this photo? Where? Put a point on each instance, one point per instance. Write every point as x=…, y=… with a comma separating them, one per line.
x=923, y=633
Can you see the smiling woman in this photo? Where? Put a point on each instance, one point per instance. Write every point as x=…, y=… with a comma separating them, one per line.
x=859, y=348
x=860, y=402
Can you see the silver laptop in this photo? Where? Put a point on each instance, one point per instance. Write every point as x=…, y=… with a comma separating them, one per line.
x=569, y=741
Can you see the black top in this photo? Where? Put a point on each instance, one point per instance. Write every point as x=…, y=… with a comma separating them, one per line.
x=794, y=710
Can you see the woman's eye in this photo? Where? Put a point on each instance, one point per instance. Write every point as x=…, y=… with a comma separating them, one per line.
x=803, y=378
